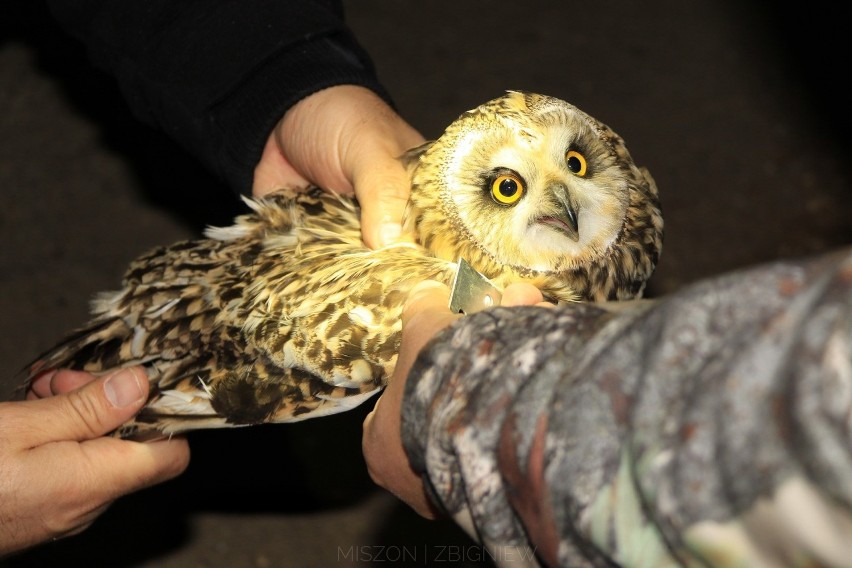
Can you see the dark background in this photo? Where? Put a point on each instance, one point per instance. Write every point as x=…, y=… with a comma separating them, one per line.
x=738, y=109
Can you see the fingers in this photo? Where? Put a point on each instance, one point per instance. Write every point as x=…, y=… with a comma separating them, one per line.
x=77, y=481
x=428, y=296
x=387, y=462
x=521, y=294
x=58, y=472
x=274, y=171
x=59, y=489
x=39, y=387
x=344, y=139
x=381, y=182
x=123, y=466
x=383, y=195
x=424, y=314
x=58, y=381
x=88, y=412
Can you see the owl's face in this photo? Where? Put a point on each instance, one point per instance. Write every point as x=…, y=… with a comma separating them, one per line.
x=528, y=182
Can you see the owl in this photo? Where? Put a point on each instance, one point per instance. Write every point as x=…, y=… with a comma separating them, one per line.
x=286, y=315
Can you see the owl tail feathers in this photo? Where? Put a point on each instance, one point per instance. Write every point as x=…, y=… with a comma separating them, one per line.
x=279, y=395
x=244, y=396
x=94, y=348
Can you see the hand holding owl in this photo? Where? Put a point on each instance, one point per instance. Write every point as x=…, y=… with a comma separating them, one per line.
x=39, y=509
x=346, y=140
x=59, y=472
x=425, y=315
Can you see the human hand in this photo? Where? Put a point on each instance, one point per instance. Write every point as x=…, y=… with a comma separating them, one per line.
x=425, y=314
x=344, y=139
x=58, y=472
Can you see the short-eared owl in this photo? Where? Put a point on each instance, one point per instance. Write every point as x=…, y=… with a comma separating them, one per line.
x=286, y=315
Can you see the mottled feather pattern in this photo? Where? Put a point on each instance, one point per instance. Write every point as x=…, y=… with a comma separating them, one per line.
x=286, y=315
x=281, y=317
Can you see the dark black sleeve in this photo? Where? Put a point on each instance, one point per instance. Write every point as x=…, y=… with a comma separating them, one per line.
x=216, y=75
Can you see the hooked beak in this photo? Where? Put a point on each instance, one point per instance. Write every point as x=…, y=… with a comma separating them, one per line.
x=565, y=221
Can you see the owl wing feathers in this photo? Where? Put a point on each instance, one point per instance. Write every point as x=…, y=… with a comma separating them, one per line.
x=283, y=316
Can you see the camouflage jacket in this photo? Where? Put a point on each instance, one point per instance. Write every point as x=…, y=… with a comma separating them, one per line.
x=712, y=427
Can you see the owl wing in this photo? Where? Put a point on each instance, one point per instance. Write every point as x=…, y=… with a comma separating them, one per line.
x=281, y=317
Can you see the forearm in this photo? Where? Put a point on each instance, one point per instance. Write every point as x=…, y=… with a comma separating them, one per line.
x=683, y=429
x=217, y=76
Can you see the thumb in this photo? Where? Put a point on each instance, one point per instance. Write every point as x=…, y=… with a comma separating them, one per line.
x=89, y=412
x=382, y=193
x=371, y=159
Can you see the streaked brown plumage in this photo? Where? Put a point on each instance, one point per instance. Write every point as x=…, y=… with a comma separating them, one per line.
x=286, y=315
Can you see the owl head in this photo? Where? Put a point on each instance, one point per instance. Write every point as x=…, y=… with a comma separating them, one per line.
x=528, y=187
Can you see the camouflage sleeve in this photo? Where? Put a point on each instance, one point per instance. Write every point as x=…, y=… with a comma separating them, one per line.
x=710, y=428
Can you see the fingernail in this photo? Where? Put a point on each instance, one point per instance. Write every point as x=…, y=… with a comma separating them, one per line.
x=389, y=233
x=123, y=388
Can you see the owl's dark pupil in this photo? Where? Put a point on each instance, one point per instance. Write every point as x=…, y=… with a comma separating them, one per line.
x=508, y=187
x=574, y=164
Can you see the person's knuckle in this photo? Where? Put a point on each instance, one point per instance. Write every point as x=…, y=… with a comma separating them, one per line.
x=87, y=411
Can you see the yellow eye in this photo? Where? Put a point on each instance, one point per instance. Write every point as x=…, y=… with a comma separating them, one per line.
x=506, y=189
x=576, y=162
